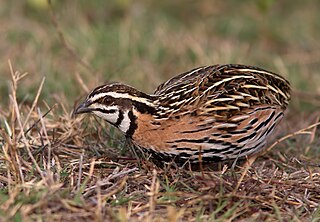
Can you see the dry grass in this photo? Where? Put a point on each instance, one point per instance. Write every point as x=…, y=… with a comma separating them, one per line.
x=54, y=167
x=57, y=167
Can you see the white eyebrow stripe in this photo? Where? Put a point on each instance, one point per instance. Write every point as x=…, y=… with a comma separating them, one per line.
x=123, y=95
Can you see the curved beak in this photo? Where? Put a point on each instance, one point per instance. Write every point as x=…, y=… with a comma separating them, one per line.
x=83, y=108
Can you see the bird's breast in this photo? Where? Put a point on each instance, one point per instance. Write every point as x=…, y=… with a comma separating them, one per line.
x=192, y=135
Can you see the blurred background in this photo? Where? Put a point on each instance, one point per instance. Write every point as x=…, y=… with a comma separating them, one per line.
x=143, y=43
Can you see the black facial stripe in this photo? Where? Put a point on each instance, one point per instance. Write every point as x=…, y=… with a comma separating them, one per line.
x=133, y=124
x=120, y=118
x=105, y=111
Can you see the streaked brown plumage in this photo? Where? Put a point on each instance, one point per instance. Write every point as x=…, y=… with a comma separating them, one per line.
x=217, y=112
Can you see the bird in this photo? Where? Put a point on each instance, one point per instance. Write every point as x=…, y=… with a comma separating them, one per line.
x=208, y=114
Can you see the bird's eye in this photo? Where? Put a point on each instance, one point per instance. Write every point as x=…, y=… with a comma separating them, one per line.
x=106, y=100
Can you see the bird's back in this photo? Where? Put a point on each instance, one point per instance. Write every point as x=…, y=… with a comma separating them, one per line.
x=223, y=90
x=217, y=112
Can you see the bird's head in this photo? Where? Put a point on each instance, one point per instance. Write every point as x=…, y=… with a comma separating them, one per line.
x=118, y=104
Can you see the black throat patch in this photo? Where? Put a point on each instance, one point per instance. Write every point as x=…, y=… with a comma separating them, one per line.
x=133, y=124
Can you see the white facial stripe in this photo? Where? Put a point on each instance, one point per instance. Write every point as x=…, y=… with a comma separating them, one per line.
x=122, y=95
x=125, y=123
x=100, y=106
x=111, y=117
